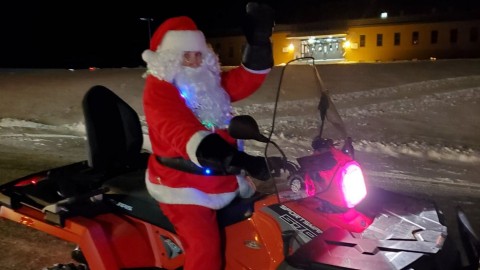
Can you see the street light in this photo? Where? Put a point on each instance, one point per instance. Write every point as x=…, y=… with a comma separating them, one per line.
x=148, y=20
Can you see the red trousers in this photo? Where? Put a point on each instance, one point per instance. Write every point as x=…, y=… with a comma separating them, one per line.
x=198, y=230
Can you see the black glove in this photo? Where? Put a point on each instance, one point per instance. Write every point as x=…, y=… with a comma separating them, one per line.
x=258, y=24
x=258, y=27
x=256, y=166
x=214, y=152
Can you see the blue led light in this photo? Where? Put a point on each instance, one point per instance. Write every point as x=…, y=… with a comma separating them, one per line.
x=208, y=171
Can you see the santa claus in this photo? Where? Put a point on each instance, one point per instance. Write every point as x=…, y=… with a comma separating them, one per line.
x=187, y=103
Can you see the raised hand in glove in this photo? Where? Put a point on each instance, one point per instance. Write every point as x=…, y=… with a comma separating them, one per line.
x=215, y=152
x=258, y=27
x=258, y=24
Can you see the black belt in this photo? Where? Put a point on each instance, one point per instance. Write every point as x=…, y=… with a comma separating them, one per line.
x=188, y=166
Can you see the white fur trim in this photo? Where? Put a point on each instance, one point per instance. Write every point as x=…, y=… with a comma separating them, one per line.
x=193, y=143
x=246, y=187
x=193, y=196
x=148, y=56
x=183, y=40
x=165, y=64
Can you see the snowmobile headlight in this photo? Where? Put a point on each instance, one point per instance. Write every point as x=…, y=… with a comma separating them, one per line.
x=352, y=184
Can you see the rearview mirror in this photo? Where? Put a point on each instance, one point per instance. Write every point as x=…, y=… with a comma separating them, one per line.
x=246, y=128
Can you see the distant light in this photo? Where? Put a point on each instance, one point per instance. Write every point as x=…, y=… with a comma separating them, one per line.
x=208, y=171
x=311, y=40
x=384, y=15
x=291, y=47
x=347, y=44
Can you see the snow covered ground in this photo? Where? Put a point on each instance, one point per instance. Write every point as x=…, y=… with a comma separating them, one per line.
x=415, y=125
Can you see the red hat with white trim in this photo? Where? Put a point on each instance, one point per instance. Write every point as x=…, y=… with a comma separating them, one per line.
x=180, y=34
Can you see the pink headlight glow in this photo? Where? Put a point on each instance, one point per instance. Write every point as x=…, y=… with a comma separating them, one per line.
x=353, y=184
x=309, y=187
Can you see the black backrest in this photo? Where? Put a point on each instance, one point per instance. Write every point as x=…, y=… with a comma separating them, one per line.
x=114, y=132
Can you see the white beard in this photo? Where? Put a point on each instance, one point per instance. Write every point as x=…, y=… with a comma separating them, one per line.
x=205, y=96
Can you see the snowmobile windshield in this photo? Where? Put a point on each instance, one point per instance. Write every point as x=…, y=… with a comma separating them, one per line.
x=304, y=122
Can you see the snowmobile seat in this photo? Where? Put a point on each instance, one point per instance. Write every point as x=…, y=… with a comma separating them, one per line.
x=114, y=142
x=114, y=132
x=128, y=194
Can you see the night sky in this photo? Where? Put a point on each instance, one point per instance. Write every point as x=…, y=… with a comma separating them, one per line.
x=80, y=34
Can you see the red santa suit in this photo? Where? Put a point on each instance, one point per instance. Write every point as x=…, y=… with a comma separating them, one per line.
x=179, y=114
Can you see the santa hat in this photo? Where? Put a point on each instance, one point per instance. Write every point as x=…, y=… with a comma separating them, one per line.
x=173, y=37
x=180, y=34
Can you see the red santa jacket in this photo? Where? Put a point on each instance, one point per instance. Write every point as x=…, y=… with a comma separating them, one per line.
x=176, y=132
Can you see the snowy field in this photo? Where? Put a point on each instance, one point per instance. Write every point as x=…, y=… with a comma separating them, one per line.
x=415, y=127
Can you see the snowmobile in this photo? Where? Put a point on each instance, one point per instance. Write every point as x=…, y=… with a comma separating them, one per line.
x=323, y=214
